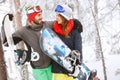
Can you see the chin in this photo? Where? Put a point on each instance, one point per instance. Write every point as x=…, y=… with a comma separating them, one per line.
x=59, y=22
x=40, y=21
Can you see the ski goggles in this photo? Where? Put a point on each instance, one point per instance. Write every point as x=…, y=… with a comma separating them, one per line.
x=59, y=9
x=34, y=9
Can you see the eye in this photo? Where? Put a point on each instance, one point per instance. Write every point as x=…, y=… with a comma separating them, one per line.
x=39, y=14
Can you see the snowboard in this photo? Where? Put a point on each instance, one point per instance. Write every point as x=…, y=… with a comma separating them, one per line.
x=14, y=72
x=9, y=55
x=55, y=48
x=86, y=73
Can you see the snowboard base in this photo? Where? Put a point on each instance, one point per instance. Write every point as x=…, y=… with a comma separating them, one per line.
x=55, y=48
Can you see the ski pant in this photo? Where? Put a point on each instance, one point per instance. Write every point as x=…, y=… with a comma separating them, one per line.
x=59, y=76
x=43, y=74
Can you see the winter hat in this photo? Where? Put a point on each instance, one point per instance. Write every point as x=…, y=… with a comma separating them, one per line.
x=64, y=10
x=32, y=11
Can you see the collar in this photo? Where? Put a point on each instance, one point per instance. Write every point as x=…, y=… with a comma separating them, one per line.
x=37, y=27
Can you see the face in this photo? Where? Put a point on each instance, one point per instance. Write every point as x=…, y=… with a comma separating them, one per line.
x=59, y=19
x=38, y=19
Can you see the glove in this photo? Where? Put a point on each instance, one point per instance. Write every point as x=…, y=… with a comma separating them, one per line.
x=74, y=57
x=23, y=56
x=76, y=71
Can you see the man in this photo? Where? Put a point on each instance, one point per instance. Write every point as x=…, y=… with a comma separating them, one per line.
x=30, y=35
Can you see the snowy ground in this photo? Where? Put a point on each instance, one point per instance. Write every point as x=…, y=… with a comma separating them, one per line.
x=112, y=67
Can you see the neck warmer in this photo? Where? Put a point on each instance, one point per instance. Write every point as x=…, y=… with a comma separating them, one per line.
x=37, y=27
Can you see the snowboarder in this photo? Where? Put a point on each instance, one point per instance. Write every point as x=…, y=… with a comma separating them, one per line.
x=30, y=34
x=65, y=26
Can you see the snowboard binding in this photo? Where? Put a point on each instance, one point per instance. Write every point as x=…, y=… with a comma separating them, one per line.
x=74, y=57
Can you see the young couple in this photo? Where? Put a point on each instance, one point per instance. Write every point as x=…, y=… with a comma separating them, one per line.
x=66, y=28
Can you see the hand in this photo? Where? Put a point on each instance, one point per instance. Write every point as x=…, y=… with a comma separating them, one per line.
x=75, y=57
x=22, y=56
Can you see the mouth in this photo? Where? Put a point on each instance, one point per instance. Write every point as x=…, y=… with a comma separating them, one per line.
x=40, y=19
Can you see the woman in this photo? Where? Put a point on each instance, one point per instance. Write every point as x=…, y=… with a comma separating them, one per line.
x=68, y=30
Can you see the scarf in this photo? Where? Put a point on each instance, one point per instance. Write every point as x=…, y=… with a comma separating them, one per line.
x=58, y=27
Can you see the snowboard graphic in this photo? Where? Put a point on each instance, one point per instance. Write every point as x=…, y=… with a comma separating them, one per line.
x=87, y=74
x=53, y=47
x=57, y=50
x=84, y=72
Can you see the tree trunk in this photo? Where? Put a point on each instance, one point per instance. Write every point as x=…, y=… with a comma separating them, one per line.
x=119, y=2
x=97, y=38
x=3, y=74
x=99, y=52
x=17, y=15
x=18, y=25
x=17, y=20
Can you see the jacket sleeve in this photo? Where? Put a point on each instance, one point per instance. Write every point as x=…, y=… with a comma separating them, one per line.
x=49, y=24
x=78, y=43
x=17, y=37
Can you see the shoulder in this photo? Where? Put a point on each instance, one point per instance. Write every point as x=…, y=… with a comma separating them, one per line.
x=21, y=33
x=21, y=30
x=78, y=25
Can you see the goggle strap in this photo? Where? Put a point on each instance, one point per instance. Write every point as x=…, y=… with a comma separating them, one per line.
x=30, y=11
x=33, y=10
x=36, y=10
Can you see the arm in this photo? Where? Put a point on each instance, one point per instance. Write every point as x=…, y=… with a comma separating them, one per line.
x=78, y=42
x=49, y=24
x=77, y=53
x=78, y=38
x=78, y=45
x=17, y=37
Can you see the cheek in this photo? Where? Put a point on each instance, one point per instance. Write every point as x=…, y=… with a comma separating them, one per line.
x=39, y=19
x=59, y=20
x=38, y=16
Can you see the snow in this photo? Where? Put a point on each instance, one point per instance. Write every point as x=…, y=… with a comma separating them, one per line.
x=112, y=67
